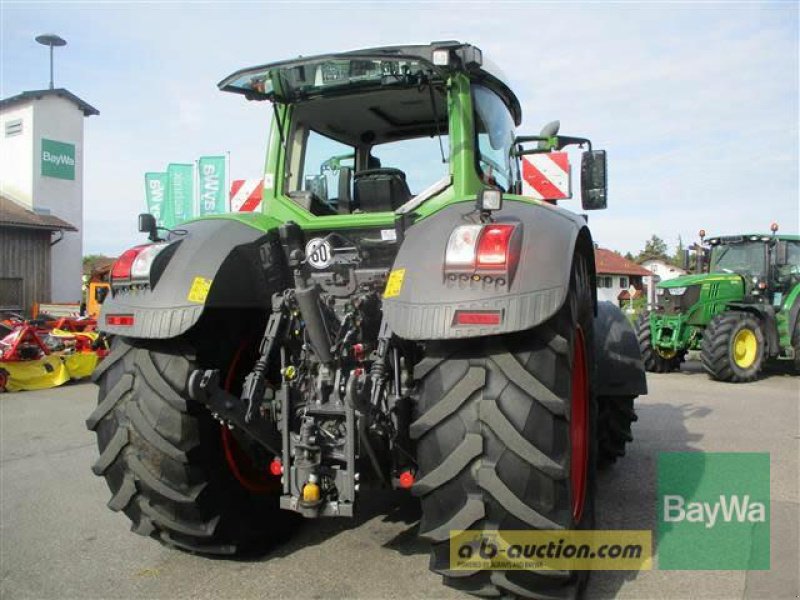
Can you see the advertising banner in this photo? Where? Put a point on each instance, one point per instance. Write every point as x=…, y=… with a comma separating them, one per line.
x=157, y=199
x=181, y=191
x=211, y=176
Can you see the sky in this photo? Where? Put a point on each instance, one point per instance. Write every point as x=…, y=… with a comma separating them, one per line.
x=695, y=103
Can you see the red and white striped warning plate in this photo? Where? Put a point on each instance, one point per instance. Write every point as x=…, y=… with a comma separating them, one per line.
x=246, y=195
x=546, y=176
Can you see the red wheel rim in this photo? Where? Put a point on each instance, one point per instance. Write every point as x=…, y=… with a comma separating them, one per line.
x=579, y=426
x=239, y=462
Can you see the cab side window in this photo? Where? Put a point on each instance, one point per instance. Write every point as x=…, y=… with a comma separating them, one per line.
x=495, y=137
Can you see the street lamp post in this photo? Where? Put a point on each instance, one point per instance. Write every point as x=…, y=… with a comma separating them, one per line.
x=52, y=40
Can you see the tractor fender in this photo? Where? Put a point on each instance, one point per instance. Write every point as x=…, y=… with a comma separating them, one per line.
x=766, y=314
x=618, y=360
x=219, y=263
x=421, y=299
x=792, y=303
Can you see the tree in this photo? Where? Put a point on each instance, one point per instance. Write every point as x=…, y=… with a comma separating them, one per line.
x=654, y=248
x=677, y=260
x=630, y=256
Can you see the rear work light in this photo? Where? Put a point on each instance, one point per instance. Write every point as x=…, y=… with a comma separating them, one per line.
x=491, y=247
x=478, y=317
x=136, y=262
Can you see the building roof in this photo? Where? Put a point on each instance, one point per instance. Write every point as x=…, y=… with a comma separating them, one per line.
x=15, y=215
x=612, y=263
x=88, y=109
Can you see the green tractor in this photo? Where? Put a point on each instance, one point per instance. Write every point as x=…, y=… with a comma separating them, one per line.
x=399, y=316
x=739, y=312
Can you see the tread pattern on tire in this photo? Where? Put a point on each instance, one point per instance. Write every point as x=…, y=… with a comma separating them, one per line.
x=615, y=417
x=650, y=358
x=492, y=434
x=160, y=456
x=715, y=349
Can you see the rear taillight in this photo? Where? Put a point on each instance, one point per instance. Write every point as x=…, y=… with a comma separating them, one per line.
x=461, y=246
x=122, y=268
x=493, y=247
x=136, y=262
x=481, y=247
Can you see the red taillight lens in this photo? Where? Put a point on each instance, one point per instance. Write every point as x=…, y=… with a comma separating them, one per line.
x=119, y=320
x=122, y=268
x=493, y=246
x=478, y=317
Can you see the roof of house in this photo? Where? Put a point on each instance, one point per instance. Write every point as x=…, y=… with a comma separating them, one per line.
x=15, y=215
x=610, y=262
x=88, y=109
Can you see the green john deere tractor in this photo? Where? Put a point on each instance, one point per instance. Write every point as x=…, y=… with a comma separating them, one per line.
x=740, y=313
x=400, y=316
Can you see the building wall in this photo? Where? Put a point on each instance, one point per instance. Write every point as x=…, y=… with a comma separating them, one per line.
x=16, y=155
x=60, y=120
x=25, y=256
x=618, y=283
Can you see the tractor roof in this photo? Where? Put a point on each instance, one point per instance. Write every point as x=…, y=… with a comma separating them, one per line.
x=278, y=81
x=754, y=237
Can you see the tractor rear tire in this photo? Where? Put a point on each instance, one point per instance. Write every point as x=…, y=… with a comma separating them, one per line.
x=653, y=361
x=161, y=455
x=614, y=428
x=495, y=442
x=733, y=347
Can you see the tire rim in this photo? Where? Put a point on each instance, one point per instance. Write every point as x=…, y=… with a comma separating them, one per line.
x=666, y=354
x=745, y=348
x=579, y=426
x=239, y=462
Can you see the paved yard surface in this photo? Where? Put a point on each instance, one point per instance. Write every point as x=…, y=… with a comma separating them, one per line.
x=58, y=540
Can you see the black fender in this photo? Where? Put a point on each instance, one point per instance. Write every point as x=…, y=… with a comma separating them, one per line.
x=243, y=264
x=424, y=306
x=766, y=314
x=618, y=359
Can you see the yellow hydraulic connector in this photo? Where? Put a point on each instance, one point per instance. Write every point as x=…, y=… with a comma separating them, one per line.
x=311, y=493
x=289, y=373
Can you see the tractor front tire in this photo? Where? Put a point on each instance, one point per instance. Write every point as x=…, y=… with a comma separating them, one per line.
x=733, y=347
x=161, y=455
x=654, y=361
x=502, y=443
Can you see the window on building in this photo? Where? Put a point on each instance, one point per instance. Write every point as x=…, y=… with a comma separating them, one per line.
x=623, y=282
x=13, y=127
x=605, y=281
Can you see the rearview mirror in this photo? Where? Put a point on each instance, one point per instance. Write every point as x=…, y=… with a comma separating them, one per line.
x=685, y=260
x=593, y=180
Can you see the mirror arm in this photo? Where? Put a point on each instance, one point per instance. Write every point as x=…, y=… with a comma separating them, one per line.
x=564, y=141
x=556, y=142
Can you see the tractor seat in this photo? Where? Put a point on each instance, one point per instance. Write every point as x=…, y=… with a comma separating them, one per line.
x=380, y=190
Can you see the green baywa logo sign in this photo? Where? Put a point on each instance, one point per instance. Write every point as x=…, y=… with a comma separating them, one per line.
x=713, y=511
x=58, y=159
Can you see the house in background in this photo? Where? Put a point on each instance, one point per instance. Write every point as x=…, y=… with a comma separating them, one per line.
x=662, y=271
x=615, y=274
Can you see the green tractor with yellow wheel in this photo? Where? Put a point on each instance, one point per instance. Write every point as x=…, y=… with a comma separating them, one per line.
x=740, y=312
